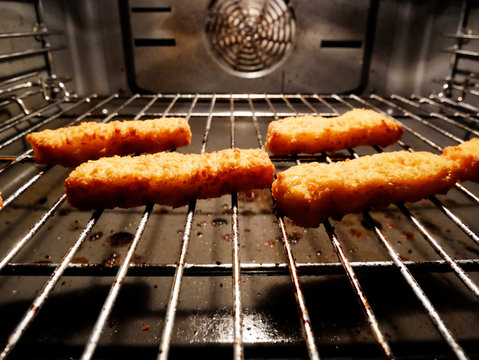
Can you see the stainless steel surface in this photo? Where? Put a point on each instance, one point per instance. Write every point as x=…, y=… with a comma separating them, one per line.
x=250, y=38
x=229, y=284
x=328, y=46
x=230, y=277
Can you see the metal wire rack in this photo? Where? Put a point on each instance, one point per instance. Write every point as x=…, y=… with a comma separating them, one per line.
x=424, y=254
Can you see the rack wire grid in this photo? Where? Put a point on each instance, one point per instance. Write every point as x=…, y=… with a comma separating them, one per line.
x=231, y=277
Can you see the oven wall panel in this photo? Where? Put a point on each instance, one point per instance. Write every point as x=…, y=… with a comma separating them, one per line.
x=406, y=54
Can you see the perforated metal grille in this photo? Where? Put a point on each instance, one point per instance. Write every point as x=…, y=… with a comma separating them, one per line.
x=250, y=37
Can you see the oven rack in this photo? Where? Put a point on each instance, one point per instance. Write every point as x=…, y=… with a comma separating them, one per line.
x=426, y=120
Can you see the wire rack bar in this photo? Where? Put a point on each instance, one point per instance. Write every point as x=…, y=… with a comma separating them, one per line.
x=362, y=299
x=18, y=246
x=115, y=289
x=443, y=105
x=440, y=250
x=25, y=155
x=305, y=319
x=466, y=128
x=469, y=53
x=24, y=187
x=462, y=36
x=32, y=52
x=238, y=347
x=30, y=33
x=264, y=269
x=23, y=117
x=412, y=131
x=237, y=269
x=46, y=121
x=418, y=118
x=120, y=276
x=298, y=293
x=167, y=331
x=461, y=105
x=466, y=229
x=438, y=322
x=17, y=78
x=47, y=288
x=439, y=116
x=430, y=239
x=444, y=331
x=433, y=314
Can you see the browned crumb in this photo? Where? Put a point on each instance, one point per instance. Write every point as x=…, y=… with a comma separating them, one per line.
x=167, y=178
x=467, y=157
x=310, y=193
x=313, y=134
x=71, y=146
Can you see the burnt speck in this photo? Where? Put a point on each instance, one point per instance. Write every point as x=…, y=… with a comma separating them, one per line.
x=95, y=236
x=370, y=224
x=42, y=200
x=408, y=236
x=391, y=225
x=431, y=226
x=120, y=239
x=48, y=256
x=199, y=235
x=75, y=225
x=451, y=201
x=80, y=260
x=219, y=222
x=295, y=237
x=218, y=262
x=221, y=284
x=64, y=212
x=113, y=260
x=355, y=233
x=163, y=210
x=246, y=196
x=227, y=237
x=227, y=212
x=43, y=261
x=271, y=243
x=247, y=213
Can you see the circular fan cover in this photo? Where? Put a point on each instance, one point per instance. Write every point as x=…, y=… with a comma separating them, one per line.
x=250, y=37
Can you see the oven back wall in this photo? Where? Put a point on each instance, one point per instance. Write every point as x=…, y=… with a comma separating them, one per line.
x=325, y=45
x=328, y=53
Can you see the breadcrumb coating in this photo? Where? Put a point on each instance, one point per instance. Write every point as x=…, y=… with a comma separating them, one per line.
x=467, y=156
x=167, y=178
x=73, y=145
x=313, y=134
x=310, y=193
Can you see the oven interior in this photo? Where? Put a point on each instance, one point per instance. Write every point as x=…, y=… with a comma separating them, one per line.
x=231, y=277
